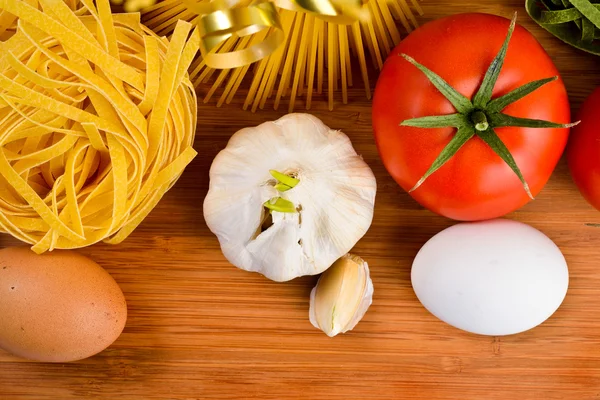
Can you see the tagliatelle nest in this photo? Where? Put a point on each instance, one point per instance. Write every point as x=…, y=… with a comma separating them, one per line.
x=97, y=122
x=8, y=21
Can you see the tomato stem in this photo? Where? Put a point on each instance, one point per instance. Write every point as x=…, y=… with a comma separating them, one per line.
x=480, y=121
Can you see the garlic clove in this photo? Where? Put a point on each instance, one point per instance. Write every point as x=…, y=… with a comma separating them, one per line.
x=342, y=296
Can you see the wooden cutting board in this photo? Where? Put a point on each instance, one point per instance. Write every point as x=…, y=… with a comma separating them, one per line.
x=199, y=328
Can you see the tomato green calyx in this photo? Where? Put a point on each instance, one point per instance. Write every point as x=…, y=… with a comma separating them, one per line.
x=283, y=184
x=481, y=115
x=479, y=120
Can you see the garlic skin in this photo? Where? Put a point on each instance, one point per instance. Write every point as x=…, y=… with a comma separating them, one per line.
x=335, y=197
x=342, y=296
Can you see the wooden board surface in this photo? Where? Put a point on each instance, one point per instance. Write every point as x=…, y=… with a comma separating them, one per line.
x=199, y=328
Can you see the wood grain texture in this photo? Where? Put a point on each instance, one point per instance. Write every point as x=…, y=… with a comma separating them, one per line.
x=199, y=328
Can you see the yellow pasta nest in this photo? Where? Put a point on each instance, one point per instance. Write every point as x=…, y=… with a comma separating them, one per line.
x=8, y=21
x=97, y=122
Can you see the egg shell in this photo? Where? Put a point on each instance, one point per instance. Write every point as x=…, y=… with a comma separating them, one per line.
x=497, y=277
x=57, y=307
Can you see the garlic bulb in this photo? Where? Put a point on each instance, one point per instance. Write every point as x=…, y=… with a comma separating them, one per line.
x=288, y=198
x=342, y=296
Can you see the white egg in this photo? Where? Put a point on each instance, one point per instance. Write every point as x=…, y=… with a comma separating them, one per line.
x=497, y=277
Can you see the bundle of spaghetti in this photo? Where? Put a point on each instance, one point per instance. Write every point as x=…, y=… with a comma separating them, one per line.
x=8, y=21
x=97, y=122
x=316, y=53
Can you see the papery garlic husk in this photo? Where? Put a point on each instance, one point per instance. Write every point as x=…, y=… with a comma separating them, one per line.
x=342, y=296
x=334, y=198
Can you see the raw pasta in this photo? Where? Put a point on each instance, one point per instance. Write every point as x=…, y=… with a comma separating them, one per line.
x=97, y=122
x=8, y=21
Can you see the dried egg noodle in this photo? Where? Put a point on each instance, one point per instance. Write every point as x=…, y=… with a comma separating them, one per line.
x=8, y=21
x=97, y=122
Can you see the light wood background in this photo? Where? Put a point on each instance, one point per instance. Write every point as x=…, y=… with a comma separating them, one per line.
x=199, y=328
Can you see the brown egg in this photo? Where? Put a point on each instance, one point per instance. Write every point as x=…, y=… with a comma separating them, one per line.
x=57, y=307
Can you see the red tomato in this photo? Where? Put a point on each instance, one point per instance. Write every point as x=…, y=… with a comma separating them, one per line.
x=583, y=151
x=476, y=183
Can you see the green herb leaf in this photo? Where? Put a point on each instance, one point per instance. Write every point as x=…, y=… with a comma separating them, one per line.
x=484, y=94
x=437, y=121
x=461, y=137
x=460, y=102
x=491, y=138
x=498, y=120
x=500, y=103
